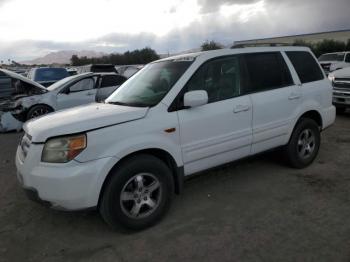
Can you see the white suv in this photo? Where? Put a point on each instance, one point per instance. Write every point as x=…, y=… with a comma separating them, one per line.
x=177, y=116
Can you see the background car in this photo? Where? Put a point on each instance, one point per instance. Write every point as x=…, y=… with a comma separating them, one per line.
x=341, y=89
x=334, y=61
x=46, y=76
x=5, y=86
x=72, y=71
x=29, y=99
x=97, y=68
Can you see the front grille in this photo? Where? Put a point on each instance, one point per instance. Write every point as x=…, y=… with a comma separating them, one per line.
x=25, y=144
x=342, y=83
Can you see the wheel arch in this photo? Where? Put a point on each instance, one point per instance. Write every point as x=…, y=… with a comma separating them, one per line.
x=163, y=155
x=314, y=115
x=311, y=114
x=41, y=104
x=37, y=105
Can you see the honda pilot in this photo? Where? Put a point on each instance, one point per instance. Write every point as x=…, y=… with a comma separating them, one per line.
x=177, y=116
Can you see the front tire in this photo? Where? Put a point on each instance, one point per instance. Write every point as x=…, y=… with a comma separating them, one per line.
x=304, y=144
x=38, y=110
x=138, y=193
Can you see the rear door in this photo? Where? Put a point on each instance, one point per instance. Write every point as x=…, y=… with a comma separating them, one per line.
x=220, y=131
x=316, y=89
x=274, y=96
x=79, y=93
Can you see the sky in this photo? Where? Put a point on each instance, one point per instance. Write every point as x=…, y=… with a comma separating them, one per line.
x=33, y=28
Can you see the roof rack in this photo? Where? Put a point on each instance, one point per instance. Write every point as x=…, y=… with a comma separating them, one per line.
x=259, y=44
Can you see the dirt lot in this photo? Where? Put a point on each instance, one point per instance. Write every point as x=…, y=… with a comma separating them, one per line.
x=251, y=210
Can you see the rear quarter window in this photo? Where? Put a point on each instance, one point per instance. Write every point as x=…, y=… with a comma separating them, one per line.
x=306, y=66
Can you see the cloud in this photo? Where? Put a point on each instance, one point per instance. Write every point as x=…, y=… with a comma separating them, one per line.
x=210, y=6
x=2, y=2
x=223, y=21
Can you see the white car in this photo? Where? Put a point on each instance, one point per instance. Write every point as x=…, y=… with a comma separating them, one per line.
x=176, y=117
x=334, y=61
x=27, y=99
x=341, y=89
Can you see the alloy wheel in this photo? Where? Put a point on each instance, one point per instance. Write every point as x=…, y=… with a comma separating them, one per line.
x=140, y=196
x=306, y=143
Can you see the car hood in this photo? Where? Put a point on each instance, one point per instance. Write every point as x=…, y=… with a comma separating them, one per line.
x=81, y=119
x=22, y=78
x=342, y=73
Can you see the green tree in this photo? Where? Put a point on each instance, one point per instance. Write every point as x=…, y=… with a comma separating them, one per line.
x=324, y=46
x=211, y=45
x=142, y=56
x=74, y=60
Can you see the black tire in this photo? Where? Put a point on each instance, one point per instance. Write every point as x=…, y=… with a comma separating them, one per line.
x=341, y=110
x=114, y=210
x=296, y=152
x=38, y=110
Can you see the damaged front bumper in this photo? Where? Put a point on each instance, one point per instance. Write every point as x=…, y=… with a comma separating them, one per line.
x=12, y=115
x=13, y=106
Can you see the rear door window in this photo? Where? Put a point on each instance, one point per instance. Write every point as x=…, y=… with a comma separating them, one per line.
x=265, y=71
x=306, y=66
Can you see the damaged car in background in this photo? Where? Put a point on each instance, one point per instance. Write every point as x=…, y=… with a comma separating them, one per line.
x=47, y=76
x=25, y=99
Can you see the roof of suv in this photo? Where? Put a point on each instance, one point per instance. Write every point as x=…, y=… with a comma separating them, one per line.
x=223, y=52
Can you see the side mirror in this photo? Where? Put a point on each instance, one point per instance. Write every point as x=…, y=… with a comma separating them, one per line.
x=195, y=98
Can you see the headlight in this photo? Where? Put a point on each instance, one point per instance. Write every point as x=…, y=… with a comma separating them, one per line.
x=63, y=149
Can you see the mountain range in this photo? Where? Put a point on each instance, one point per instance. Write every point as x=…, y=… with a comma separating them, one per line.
x=61, y=57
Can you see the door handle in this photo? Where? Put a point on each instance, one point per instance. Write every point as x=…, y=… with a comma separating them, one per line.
x=90, y=94
x=241, y=108
x=294, y=96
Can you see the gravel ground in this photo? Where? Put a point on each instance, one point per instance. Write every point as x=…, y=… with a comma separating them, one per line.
x=256, y=209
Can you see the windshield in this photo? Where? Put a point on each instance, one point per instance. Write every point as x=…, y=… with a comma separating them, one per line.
x=149, y=86
x=50, y=74
x=332, y=57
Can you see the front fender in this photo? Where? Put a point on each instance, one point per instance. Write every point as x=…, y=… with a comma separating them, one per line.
x=127, y=138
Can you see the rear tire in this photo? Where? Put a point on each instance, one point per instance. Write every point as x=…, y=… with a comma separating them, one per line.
x=138, y=193
x=38, y=110
x=304, y=143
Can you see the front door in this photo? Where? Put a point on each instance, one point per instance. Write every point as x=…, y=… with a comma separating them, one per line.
x=220, y=131
x=79, y=93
